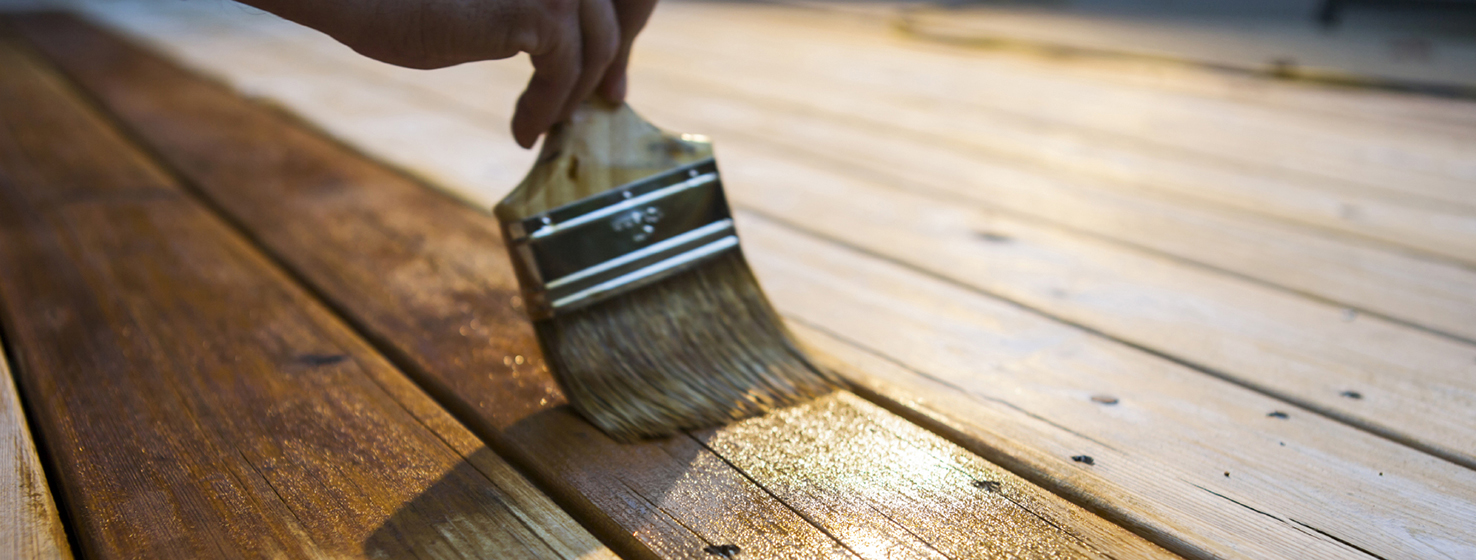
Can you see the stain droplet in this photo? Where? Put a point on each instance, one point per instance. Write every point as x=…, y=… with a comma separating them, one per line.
x=321, y=359
x=988, y=485
x=1355, y=395
x=993, y=237
x=1278, y=414
x=1083, y=459
x=724, y=550
x=1350, y=314
x=1104, y=399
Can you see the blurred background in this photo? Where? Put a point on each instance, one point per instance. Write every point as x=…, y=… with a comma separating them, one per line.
x=1427, y=45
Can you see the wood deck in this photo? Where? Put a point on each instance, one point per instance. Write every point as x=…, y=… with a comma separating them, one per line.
x=1091, y=308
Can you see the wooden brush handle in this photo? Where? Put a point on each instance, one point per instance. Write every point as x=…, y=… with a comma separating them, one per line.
x=601, y=147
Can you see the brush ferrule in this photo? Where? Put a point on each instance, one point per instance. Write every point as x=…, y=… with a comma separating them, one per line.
x=613, y=242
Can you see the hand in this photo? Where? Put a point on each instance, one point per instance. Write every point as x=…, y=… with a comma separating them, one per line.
x=577, y=46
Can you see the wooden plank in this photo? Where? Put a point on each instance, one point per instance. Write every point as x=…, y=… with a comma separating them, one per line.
x=196, y=402
x=1411, y=384
x=1176, y=431
x=30, y=527
x=413, y=267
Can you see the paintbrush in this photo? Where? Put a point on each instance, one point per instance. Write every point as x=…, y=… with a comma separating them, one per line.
x=630, y=269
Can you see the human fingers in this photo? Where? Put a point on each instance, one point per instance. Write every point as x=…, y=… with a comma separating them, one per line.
x=556, y=60
x=632, y=15
x=600, y=41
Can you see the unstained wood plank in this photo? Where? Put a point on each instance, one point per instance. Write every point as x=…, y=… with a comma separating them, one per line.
x=429, y=279
x=910, y=81
x=1355, y=153
x=195, y=401
x=30, y=528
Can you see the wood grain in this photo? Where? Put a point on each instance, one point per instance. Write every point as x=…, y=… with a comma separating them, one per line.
x=1304, y=349
x=30, y=527
x=1055, y=124
x=1357, y=154
x=428, y=278
x=197, y=403
x=1363, y=276
x=1010, y=385
x=1201, y=466
x=855, y=134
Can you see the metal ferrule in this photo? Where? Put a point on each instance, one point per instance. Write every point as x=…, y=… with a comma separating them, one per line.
x=611, y=243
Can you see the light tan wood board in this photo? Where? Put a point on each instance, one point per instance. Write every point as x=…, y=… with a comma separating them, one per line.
x=30, y=527
x=1437, y=115
x=1050, y=123
x=1379, y=157
x=1196, y=510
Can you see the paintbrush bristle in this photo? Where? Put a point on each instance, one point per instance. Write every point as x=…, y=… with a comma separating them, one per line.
x=699, y=349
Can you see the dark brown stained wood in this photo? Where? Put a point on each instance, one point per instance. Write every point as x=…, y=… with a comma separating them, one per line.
x=29, y=525
x=196, y=402
x=428, y=278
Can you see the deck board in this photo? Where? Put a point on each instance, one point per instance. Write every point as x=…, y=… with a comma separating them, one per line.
x=196, y=402
x=414, y=269
x=30, y=528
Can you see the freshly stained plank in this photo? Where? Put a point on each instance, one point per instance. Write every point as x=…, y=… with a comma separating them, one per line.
x=196, y=403
x=428, y=278
x=1018, y=388
x=1412, y=386
x=29, y=525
